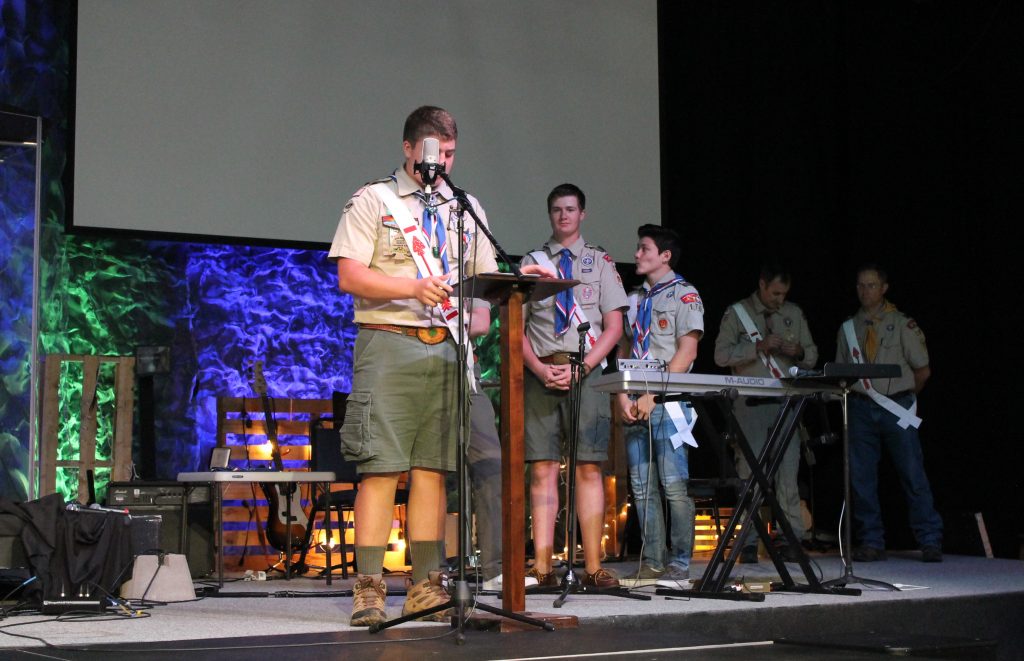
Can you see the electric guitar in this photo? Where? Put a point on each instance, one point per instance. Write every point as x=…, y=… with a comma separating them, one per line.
x=279, y=495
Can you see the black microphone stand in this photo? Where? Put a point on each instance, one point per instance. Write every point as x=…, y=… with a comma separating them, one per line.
x=464, y=600
x=571, y=582
x=846, y=520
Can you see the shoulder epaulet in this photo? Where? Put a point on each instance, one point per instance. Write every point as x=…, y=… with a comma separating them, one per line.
x=593, y=246
x=382, y=180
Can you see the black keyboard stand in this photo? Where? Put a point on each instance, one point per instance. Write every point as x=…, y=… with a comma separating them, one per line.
x=755, y=492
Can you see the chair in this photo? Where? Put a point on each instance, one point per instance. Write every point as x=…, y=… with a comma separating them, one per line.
x=326, y=455
x=325, y=446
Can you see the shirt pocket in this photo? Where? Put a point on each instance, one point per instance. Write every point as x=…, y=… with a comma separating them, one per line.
x=663, y=318
x=588, y=294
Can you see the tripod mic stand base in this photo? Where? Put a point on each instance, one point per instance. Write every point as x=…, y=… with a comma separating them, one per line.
x=575, y=586
x=463, y=602
x=836, y=584
x=487, y=621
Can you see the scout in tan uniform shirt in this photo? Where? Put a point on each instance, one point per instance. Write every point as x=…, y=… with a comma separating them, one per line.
x=887, y=336
x=547, y=343
x=782, y=340
x=667, y=324
x=399, y=414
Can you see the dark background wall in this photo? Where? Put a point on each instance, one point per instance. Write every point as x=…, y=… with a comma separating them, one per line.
x=830, y=134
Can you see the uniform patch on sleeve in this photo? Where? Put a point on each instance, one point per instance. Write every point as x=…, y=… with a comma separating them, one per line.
x=608, y=258
x=911, y=323
x=692, y=297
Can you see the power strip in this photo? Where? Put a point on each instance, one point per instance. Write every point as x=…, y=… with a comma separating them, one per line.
x=626, y=364
x=58, y=606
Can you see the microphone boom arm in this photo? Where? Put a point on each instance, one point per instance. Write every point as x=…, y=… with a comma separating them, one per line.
x=464, y=204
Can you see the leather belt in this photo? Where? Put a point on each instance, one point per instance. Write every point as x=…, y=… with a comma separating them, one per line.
x=557, y=358
x=426, y=335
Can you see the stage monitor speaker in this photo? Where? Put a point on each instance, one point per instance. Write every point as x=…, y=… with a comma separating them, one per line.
x=148, y=500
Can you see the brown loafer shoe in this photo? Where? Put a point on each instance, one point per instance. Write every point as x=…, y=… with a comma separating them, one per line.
x=549, y=580
x=601, y=579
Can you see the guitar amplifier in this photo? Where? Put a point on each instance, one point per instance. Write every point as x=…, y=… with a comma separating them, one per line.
x=157, y=506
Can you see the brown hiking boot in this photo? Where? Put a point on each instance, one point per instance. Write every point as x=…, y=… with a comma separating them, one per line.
x=431, y=591
x=548, y=580
x=368, y=597
x=601, y=579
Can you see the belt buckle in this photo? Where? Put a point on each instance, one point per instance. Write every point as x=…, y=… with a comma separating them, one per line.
x=561, y=358
x=431, y=335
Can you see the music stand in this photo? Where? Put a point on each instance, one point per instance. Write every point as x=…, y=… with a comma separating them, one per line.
x=845, y=375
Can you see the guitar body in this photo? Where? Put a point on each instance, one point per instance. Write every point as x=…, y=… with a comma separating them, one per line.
x=280, y=495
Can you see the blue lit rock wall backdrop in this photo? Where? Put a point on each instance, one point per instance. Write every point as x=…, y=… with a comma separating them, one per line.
x=216, y=306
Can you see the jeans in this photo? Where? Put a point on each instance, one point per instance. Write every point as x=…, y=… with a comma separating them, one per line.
x=871, y=429
x=667, y=473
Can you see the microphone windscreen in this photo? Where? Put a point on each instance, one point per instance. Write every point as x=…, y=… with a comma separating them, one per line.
x=431, y=151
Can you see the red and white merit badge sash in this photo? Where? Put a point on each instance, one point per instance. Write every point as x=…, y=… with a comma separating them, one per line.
x=578, y=316
x=755, y=337
x=426, y=264
x=904, y=417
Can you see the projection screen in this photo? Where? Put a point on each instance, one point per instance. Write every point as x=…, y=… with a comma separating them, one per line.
x=230, y=120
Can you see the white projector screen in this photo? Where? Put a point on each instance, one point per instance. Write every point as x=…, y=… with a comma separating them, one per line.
x=258, y=119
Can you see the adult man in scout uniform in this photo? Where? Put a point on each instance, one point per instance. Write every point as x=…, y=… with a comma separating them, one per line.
x=551, y=337
x=883, y=413
x=665, y=324
x=765, y=335
x=397, y=251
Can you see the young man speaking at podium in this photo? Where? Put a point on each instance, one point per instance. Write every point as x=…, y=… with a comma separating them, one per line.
x=397, y=248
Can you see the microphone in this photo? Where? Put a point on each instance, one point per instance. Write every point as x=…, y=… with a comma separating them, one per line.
x=428, y=165
x=797, y=373
x=583, y=328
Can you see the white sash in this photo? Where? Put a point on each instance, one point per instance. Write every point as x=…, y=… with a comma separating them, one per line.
x=427, y=266
x=543, y=260
x=755, y=336
x=904, y=417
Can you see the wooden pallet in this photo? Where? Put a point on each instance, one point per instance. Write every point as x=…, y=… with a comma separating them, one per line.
x=241, y=427
x=71, y=468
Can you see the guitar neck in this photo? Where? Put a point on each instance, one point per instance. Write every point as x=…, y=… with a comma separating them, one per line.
x=271, y=426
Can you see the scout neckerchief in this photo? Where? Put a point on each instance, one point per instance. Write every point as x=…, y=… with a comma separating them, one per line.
x=755, y=337
x=542, y=259
x=904, y=417
x=434, y=229
x=642, y=325
x=426, y=264
x=565, y=302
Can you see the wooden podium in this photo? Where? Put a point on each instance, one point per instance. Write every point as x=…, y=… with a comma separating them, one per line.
x=510, y=293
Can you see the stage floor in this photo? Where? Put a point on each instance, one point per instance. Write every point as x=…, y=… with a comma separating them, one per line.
x=964, y=607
